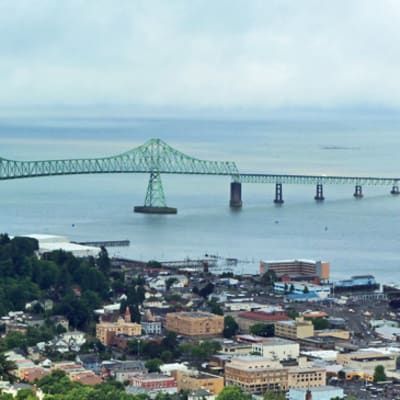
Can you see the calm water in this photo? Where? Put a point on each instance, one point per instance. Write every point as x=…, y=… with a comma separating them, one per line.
x=356, y=236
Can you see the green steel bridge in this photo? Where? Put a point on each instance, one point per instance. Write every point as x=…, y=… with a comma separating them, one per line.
x=157, y=157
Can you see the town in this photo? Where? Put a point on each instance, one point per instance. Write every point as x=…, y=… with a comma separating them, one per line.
x=77, y=323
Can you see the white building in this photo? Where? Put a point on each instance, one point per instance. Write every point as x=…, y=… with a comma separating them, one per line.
x=277, y=349
x=318, y=393
x=49, y=243
x=302, y=287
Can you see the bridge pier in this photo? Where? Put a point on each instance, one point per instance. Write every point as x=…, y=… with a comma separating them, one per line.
x=358, y=192
x=278, y=194
x=154, y=202
x=395, y=190
x=236, y=195
x=319, y=195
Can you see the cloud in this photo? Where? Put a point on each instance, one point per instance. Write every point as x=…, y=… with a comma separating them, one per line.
x=207, y=54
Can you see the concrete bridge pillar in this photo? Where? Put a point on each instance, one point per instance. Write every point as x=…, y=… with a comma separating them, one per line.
x=236, y=195
x=319, y=194
x=278, y=194
x=358, y=192
x=395, y=190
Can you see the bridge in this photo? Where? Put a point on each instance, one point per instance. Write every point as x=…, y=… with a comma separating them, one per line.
x=156, y=157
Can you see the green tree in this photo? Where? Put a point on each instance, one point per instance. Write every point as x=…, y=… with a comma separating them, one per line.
x=233, y=393
x=379, y=374
x=269, y=278
x=274, y=396
x=320, y=323
x=266, y=330
x=215, y=308
x=230, y=327
x=306, y=290
x=6, y=368
x=153, y=365
x=170, y=282
x=291, y=290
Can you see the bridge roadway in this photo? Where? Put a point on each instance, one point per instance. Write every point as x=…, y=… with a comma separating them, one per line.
x=157, y=157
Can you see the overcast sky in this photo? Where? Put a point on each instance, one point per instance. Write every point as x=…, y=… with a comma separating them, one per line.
x=200, y=53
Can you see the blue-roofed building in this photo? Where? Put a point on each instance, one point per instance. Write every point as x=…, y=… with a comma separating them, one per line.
x=357, y=282
x=304, y=297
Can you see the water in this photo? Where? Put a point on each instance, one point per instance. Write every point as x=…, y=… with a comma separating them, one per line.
x=356, y=236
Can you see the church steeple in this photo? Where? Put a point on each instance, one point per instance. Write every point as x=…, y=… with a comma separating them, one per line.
x=128, y=316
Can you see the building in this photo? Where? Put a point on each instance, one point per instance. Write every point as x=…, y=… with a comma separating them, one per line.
x=318, y=393
x=195, y=380
x=49, y=243
x=153, y=381
x=300, y=288
x=265, y=316
x=277, y=349
x=106, y=331
x=294, y=329
x=358, y=282
x=305, y=270
x=194, y=323
x=366, y=361
x=256, y=375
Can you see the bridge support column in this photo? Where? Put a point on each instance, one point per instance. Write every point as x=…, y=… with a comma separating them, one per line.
x=358, y=192
x=154, y=202
x=278, y=194
x=236, y=195
x=395, y=190
x=319, y=194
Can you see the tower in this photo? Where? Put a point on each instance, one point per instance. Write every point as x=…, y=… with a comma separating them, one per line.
x=127, y=315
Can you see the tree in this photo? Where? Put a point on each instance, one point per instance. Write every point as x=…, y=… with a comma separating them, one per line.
x=379, y=374
x=206, y=290
x=153, y=365
x=291, y=290
x=103, y=261
x=342, y=375
x=170, y=282
x=320, y=323
x=233, y=393
x=306, y=290
x=215, y=308
x=266, y=330
x=230, y=327
x=269, y=278
x=274, y=396
x=6, y=367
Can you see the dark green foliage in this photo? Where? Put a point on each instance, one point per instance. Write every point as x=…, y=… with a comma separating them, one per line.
x=379, y=374
x=320, y=323
x=233, y=393
x=153, y=365
x=199, y=352
x=266, y=330
x=230, y=327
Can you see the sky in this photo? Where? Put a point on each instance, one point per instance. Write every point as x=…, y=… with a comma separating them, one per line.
x=200, y=54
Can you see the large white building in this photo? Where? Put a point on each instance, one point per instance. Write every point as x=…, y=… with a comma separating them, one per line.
x=278, y=349
x=302, y=287
x=49, y=243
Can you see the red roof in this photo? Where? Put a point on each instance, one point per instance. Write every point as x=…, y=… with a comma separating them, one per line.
x=263, y=316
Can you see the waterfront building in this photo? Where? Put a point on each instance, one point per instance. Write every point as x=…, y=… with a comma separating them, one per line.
x=300, y=288
x=194, y=323
x=106, y=331
x=357, y=282
x=294, y=329
x=305, y=270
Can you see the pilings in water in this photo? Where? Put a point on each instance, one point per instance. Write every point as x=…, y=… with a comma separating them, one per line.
x=358, y=192
x=278, y=194
x=319, y=193
x=395, y=190
x=236, y=195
